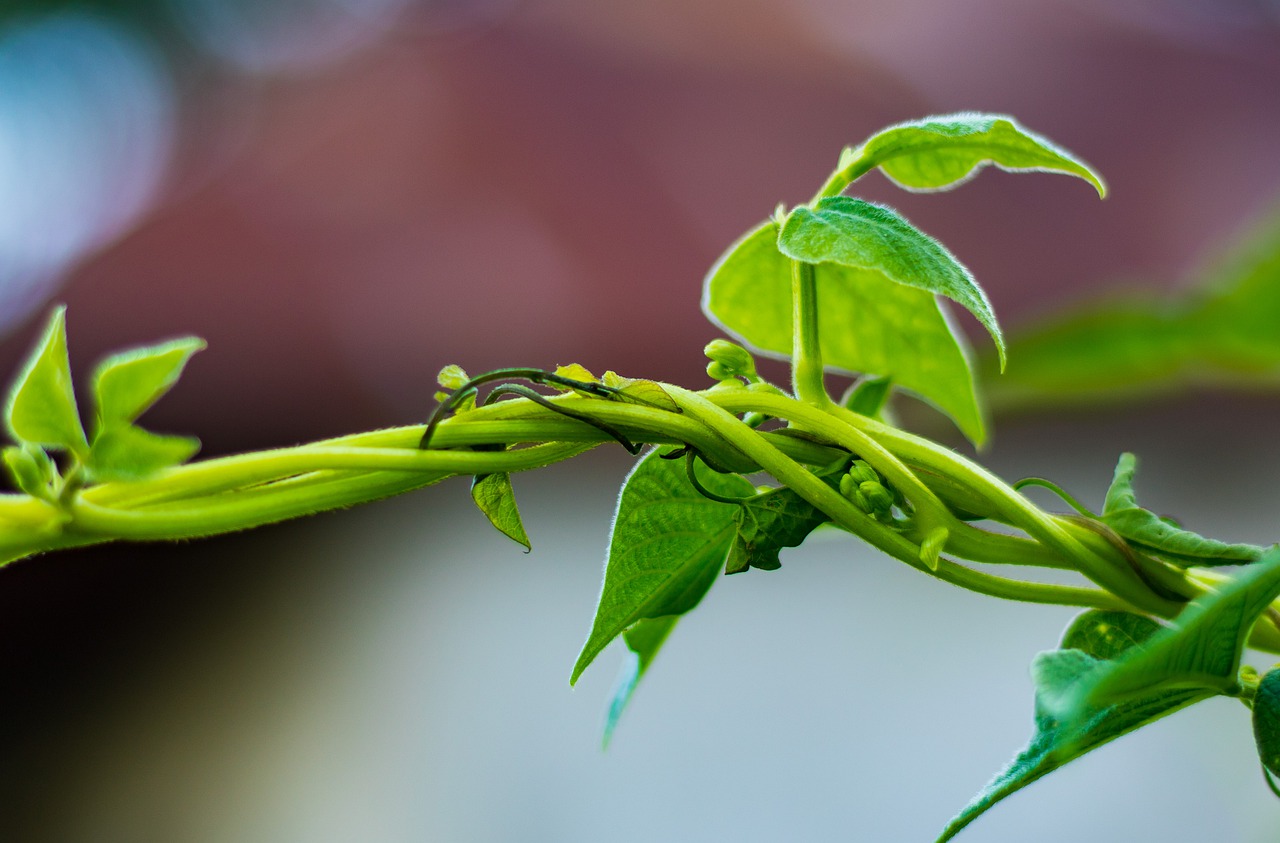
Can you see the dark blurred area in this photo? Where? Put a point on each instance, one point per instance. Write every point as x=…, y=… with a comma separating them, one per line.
x=342, y=196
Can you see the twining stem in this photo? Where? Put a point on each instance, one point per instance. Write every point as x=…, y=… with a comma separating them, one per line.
x=1119, y=579
x=846, y=515
x=806, y=358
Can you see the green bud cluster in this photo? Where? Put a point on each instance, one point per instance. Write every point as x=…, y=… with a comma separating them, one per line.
x=862, y=485
x=730, y=360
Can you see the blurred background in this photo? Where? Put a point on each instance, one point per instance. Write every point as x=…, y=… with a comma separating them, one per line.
x=344, y=195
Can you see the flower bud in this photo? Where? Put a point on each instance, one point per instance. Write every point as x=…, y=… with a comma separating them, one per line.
x=877, y=496
x=862, y=472
x=729, y=360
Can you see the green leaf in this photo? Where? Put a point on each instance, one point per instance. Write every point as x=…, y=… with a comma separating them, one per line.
x=32, y=470
x=864, y=236
x=1143, y=344
x=767, y=523
x=643, y=642
x=125, y=385
x=867, y=324
x=42, y=406
x=492, y=493
x=1083, y=702
x=1144, y=528
x=667, y=546
x=938, y=153
x=127, y=452
x=1266, y=721
x=869, y=395
x=1107, y=633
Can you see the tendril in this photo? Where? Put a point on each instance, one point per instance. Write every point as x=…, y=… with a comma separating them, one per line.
x=1057, y=490
x=691, y=457
x=538, y=376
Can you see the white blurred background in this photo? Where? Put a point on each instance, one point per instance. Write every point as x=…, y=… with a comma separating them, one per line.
x=342, y=196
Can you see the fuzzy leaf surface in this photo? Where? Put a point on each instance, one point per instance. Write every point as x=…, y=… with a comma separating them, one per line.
x=1142, y=527
x=494, y=497
x=1083, y=701
x=42, y=406
x=938, y=153
x=867, y=324
x=667, y=545
x=125, y=385
x=865, y=236
x=127, y=452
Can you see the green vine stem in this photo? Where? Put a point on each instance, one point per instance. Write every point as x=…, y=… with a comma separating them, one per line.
x=239, y=492
x=806, y=358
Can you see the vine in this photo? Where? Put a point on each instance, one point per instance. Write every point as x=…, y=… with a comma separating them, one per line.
x=838, y=285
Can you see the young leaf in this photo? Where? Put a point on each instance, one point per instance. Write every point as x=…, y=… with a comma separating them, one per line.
x=867, y=324
x=31, y=468
x=125, y=385
x=493, y=495
x=42, y=406
x=863, y=236
x=668, y=544
x=1266, y=721
x=767, y=523
x=1121, y=512
x=643, y=642
x=1083, y=702
x=127, y=452
x=938, y=153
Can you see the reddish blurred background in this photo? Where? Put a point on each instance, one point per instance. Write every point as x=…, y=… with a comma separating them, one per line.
x=344, y=196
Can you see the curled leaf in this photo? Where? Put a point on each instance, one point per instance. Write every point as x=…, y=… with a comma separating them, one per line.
x=1160, y=536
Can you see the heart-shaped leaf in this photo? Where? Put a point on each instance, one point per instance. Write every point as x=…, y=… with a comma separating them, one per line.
x=867, y=324
x=667, y=546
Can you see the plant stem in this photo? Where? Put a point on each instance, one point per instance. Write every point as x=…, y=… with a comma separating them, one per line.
x=806, y=357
